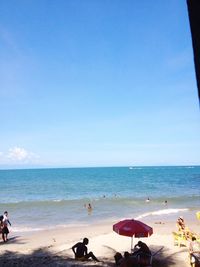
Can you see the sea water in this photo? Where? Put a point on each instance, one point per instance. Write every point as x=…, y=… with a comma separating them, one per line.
x=44, y=198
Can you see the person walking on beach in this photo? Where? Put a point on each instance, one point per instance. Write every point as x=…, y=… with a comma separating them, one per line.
x=81, y=252
x=5, y=223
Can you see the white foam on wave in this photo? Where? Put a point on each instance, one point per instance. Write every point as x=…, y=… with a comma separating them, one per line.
x=160, y=212
x=36, y=229
x=189, y=167
x=25, y=229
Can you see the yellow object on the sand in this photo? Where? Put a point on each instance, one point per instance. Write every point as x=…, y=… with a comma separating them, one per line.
x=198, y=215
x=179, y=239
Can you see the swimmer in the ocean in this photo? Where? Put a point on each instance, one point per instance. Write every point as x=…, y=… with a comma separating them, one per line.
x=89, y=208
x=148, y=200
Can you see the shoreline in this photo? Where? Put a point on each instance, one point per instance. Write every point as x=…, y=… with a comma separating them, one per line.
x=166, y=215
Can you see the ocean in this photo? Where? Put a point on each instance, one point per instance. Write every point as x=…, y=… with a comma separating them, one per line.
x=39, y=199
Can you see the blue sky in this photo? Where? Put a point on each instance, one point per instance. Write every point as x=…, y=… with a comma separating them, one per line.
x=97, y=83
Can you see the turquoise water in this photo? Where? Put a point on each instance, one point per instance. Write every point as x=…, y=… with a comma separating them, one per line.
x=39, y=196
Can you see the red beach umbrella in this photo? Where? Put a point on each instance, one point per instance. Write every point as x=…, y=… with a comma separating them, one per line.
x=131, y=227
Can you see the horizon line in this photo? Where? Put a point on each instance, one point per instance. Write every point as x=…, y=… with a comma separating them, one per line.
x=85, y=167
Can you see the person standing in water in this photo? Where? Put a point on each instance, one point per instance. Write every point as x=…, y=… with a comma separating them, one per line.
x=89, y=208
x=148, y=200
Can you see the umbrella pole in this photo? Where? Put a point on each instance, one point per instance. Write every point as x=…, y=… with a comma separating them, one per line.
x=131, y=243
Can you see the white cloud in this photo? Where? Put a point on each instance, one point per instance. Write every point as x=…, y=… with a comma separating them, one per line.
x=20, y=154
x=17, y=153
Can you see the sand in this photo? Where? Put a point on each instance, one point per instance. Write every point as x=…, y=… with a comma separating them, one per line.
x=53, y=247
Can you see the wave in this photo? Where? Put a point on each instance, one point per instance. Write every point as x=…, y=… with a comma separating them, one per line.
x=114, y=199
x=102, y=199
x=41, y=202
x=189, y=167
x=26, y=229
x=160, y=212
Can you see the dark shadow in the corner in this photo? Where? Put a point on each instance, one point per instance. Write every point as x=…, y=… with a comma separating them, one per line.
x=161, y=260
x=43, y=257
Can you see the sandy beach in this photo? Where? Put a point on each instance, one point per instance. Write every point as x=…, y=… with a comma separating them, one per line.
x=53, y=247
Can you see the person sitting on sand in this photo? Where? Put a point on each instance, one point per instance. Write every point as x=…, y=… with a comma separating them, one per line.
x=128, y=261
x=142, y=248
x=143, y=253
x=4, y=229
x=118, y=258
x=81, y=252
x=194, y=250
